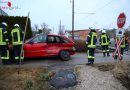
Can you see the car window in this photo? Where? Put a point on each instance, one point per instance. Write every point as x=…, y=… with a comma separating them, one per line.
x=63, y=40
x=58, y=40
x=51, y=39
x=39, y=39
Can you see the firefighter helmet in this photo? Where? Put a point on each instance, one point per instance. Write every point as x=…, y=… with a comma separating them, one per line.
x=103, y=31
x=5, y=24
x=16, y=25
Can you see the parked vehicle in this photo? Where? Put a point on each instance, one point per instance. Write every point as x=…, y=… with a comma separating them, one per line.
x=49, y=45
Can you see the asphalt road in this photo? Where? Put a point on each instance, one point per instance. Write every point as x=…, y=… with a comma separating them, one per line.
x=78, y=58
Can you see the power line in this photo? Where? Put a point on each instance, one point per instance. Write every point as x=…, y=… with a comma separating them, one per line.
x=83, y=13
x=104, y=6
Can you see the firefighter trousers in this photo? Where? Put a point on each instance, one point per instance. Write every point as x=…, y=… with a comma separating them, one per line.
x=91, y=55
x=17, y=51
x=4, y=52
x=105, y=49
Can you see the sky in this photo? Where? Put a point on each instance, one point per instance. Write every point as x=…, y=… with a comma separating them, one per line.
x=105, y=12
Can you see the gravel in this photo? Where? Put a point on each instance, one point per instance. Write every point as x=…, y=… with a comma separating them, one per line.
x=90, y=78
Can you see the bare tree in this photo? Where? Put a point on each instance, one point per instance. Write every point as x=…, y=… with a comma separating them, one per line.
x=61, y=30
x=36, y=27
x=45, y=29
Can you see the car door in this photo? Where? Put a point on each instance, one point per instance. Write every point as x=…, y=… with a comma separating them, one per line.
x=36, y=46
x=53, y=45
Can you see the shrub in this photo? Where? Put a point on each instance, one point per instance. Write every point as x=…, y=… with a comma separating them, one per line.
x=80, y=45
x=29, y=85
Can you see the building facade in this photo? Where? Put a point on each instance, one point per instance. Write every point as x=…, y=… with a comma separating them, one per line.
x=79, y=34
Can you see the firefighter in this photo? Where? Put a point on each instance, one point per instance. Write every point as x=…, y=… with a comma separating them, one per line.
x=4, y=52
x=17, y=41
x=104, y=42
x=91, y=45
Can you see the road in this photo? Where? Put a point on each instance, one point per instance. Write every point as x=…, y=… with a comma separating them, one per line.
x=78, y=58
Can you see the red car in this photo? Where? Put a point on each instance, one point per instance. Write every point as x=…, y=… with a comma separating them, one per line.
x=49, y=45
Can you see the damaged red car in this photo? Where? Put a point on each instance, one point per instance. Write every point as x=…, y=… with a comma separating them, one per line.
x=49, y=45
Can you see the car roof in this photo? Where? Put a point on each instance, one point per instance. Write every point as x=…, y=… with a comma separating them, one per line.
x=53, y=35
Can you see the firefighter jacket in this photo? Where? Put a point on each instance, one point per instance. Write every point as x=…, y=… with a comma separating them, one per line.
x=91, y=40
x=3, y=36
x=104, y=40
x=17, y=36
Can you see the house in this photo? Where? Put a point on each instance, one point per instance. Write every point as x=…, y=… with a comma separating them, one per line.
x=79, y=34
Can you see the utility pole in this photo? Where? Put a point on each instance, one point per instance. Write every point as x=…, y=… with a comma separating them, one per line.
x=72, y=19
x=59, y=28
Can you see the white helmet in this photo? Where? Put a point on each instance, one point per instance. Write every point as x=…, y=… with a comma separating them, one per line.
x=16, y=25
x=91, y=28
x=103, y=31
x=5, y=24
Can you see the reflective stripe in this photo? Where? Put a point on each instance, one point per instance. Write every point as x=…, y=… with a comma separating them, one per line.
x=5, y=32
x=16, y=57
x=93, y=57
x=89, y=55
x=6, y=39
x=2, y=57
x=92, y=40
x=3, y=43
x=22, y=57
x=92, y=46
x=7, y=57
x=108, y=50
x=103, y=50
x=106, y=41
x=18, y=36
x=17, y=43
x=1, y=36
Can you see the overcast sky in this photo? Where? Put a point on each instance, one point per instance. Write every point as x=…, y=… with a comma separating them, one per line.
x=52, y=11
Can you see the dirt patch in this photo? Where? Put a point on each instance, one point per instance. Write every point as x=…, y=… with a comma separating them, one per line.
x=37, y=78
x=28, y=78
x=120, y=70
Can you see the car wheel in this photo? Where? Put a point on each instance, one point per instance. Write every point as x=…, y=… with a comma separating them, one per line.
x=64, y=55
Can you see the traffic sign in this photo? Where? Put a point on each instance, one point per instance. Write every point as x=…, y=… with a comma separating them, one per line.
x=121, y=20
x=118, y=43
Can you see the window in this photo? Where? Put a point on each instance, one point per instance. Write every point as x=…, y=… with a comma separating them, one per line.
x=50, y=39
x=58, y=40
x=39, y=39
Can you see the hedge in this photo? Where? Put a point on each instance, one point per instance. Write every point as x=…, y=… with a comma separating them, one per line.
x=11, y=20
x=80, y=45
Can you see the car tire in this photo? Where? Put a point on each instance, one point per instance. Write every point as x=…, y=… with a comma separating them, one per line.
x=64, y=55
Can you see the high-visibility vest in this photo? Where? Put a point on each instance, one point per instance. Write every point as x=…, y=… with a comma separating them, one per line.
x=93, y=40
x=3, y=39
x=104, y=39
x=17, y=36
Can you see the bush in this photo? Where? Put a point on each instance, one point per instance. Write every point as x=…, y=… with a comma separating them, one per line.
x=80, y=45
x=11, y=20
